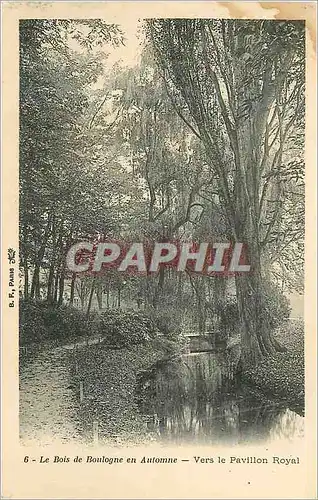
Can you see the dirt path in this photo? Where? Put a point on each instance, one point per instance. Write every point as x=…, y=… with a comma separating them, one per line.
x=48, y=406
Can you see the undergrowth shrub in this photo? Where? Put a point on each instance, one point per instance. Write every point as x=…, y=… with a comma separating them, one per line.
x=40, y=321
x=168, y=321
x=276, y=307
x=124, y=328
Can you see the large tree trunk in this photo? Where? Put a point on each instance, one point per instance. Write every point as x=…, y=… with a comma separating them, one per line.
x=256, y=336
x=241, y=85
x=82, y=298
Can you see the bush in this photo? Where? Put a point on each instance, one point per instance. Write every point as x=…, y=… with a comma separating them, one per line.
x=31, y=322
x=65, y=322
x=39, y=321
x=282, y=375
x=168, y=321
x=126, y=328
x=276, y=306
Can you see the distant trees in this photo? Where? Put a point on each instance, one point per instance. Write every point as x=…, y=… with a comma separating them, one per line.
x=60, y=198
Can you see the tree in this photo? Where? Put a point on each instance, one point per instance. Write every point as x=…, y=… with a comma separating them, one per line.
x=57, y=182
x=170, y=164
x=239, y=86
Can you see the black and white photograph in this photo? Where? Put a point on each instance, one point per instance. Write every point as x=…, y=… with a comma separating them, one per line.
x=158, y=250
x=182, y=132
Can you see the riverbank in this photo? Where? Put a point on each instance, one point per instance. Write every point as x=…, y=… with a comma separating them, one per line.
x=106, y=379
x=282, y=376
x=51, y=406
x=81, y=393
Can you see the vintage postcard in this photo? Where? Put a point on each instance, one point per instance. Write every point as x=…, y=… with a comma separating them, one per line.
x=158, y=250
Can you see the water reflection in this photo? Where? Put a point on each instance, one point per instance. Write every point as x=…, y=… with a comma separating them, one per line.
x=198, y=399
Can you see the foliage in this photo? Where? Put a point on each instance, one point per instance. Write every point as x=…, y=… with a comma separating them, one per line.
x=201, y=140
x=276, y=307
x=229, y=316
x=274, y=312
x=59, y=198
x=282, y=375
x=239, y=86
x=168, y=321
x=40, y=321
x=126, y=328
x=31, y=322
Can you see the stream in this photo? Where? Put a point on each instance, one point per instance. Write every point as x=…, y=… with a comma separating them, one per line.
x=199, y=399
x=196, y=398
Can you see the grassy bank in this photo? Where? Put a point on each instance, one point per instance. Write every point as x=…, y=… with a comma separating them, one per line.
x=109, y=383
x=281, y=376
